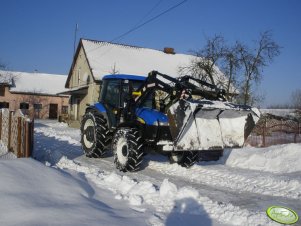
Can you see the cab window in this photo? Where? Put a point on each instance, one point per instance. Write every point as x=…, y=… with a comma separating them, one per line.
x=111, y=92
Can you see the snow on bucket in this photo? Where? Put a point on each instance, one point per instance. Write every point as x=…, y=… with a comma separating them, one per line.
x=199, y=125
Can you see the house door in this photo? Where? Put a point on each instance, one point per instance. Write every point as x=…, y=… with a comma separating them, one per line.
x=53, y=111
x=77, y=109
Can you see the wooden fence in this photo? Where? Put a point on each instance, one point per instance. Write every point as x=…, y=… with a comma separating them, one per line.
x=272, y=130
x=16, y=132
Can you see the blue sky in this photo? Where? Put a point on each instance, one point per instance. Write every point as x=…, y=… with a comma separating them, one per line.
x=39, y=34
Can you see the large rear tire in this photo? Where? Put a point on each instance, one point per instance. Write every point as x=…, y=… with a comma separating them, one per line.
x=127, y=147
x=94, y=134
x=184, y=158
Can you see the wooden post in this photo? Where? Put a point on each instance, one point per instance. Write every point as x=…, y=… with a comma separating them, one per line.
x=297, y=132
x=0, y=124
x=19, y=154
x=29, y=138
x=9, y=130
x=263, y=132
x=26, y=139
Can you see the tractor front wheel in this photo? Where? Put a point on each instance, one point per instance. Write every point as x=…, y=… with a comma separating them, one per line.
x=94, y=134
x=127, y=146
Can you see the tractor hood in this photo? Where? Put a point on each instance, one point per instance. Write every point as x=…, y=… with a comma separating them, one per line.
x=151, y=116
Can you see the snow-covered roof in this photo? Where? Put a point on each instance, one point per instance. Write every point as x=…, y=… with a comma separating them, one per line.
x=39, y=83
x=104, y=57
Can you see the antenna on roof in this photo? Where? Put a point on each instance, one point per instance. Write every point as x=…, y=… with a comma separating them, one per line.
x=75, y=33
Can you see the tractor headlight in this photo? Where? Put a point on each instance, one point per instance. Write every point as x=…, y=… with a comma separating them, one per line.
x=163, y=123
x=155, y=123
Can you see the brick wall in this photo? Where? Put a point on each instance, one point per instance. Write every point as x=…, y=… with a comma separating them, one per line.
x=38, y=105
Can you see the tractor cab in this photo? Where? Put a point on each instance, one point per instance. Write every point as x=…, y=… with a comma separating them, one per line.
x=115, y=93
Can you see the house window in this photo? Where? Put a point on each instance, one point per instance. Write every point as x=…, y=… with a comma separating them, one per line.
x=2, y=91
x=64, y=109
x=37, y=106
x=24, y=105
x=4, y=105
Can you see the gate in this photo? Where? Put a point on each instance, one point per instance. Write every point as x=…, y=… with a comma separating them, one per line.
x=16, y=132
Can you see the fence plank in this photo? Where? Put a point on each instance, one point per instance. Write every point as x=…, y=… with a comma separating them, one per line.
x=29, y=138
x=0, y=124
x=19, y=153
x=9, y=131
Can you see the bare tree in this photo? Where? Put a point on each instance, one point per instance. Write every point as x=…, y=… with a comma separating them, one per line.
x=230, y=67
x=253, y=61
x=6, y=76
x=241, y=65
x=204, y=65
x=296, y=99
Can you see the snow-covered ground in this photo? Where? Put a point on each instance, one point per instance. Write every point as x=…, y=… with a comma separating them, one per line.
x=65, y=188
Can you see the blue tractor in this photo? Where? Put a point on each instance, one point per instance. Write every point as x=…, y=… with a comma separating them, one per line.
x=181, y=117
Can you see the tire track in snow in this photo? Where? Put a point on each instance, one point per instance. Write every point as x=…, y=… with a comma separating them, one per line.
x=164, y=198
x=233, y=178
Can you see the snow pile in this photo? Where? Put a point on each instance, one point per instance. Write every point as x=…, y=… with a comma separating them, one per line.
x=277, y=159
x=32, y=194
x=167, y=198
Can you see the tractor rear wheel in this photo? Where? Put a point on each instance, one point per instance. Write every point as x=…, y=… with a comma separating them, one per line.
x=184, y=158
x=127, y=147
x=94, y=134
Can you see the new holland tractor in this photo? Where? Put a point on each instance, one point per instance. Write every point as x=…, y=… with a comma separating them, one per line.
x=181, y=117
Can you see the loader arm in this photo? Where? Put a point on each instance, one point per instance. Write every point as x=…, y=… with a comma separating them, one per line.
x=204, y=123
x=175, y=88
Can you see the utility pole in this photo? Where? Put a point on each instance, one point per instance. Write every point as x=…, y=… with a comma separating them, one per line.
x=75, y=33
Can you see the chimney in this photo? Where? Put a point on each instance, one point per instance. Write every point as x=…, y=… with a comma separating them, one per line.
x=169, y=50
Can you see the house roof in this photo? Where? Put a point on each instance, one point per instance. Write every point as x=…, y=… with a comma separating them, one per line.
x=38, y=83
x=105, y=58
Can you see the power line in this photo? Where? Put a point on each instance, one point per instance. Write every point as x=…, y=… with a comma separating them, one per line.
x=149, y=12
x=146, y=22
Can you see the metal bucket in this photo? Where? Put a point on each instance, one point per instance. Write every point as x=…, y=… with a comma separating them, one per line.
x=206, y=125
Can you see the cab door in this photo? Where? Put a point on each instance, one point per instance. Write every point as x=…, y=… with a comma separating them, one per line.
x=110, y=97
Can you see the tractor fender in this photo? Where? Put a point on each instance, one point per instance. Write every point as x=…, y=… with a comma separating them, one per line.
x=99, y=108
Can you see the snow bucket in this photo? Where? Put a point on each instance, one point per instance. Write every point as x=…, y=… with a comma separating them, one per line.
x=210, y=125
